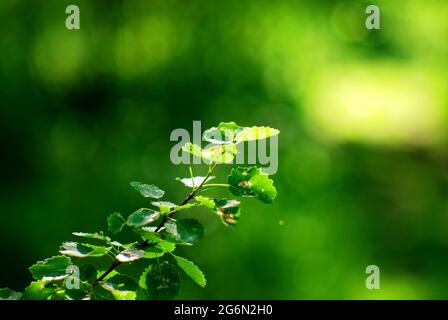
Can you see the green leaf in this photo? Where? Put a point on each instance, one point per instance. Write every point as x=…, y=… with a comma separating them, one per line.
x=51, y=269
x=216, y=153
x=191, y=270
x=142, y=217
x=115, y=222
x=255, y=133
x=219, y=153
x=121, y=282
x=184, y=230
x=152, y=252
x=7, y=294
x=164, y=206
x=225, y=133
x=82, y=250
x=195, y=181
x=142, y=290
x=158, y=250
x=121, y=287
x=81, y=293
x=232, y=126
x=100, y=293
x=167, y=204
x=160, y=281
x=40, y=290
x=156, y=246
x=58, y=295
x=184, y=207
x=252, y=182
x=209, y=203
x=150, y=236
x=130, y=254
x=193, y=149
x=97, y=236
x=230, y=132
x=88, y=272
x=227, y=210
x=151, y=228
x=148, y=190
x=110, y=275
x=166, y=246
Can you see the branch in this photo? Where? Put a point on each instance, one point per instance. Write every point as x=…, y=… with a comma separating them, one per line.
x=189, y=197
x=104, y=275
x=117, y=263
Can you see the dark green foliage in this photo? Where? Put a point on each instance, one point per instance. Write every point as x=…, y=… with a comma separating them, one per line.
x=184, y=230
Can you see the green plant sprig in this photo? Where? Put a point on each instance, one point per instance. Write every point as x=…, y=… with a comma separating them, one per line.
x=168, y=215
x=159, y=228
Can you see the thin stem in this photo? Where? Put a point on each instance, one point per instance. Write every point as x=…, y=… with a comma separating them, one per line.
x=190, y=196
x=104, y=275
x=191, y=175
x=193, y=192
x=215, y=185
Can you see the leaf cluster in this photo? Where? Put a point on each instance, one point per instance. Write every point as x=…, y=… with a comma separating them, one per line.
x=159, y=229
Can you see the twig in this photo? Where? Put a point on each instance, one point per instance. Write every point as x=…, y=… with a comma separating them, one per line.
x=191, y=195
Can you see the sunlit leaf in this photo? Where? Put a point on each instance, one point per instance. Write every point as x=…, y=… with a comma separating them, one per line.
x=214, y=153
x=252, y=182
x=219, y=153
x=225, y=133
x=255, y=133
x=208, y=202
x=58, y=295
x=193, y=149
x=40, y=290
x=230, y=132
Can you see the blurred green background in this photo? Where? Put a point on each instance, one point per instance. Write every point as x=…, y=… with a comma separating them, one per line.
x=363, y=157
